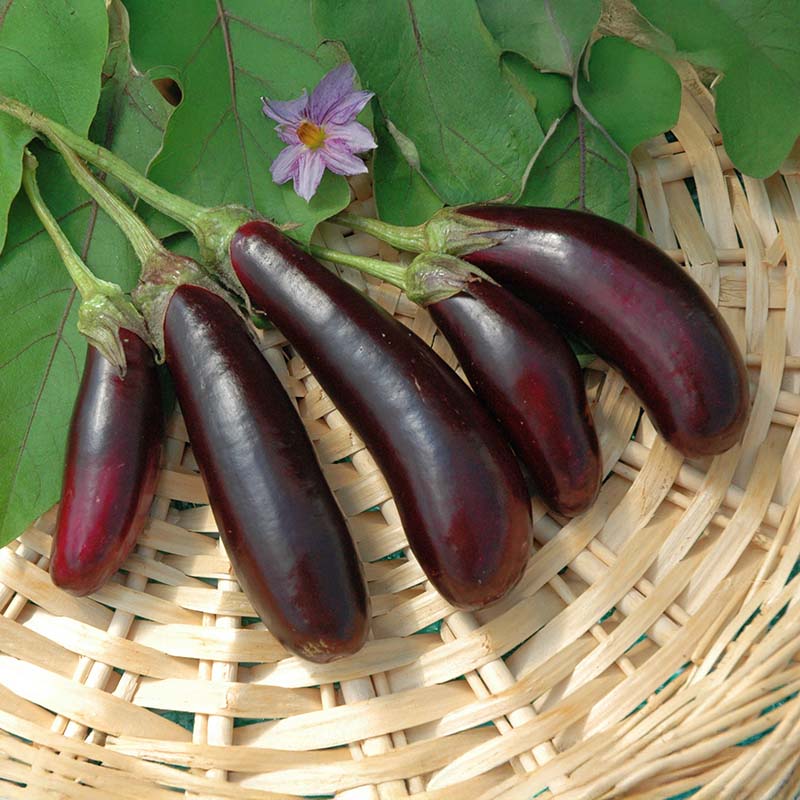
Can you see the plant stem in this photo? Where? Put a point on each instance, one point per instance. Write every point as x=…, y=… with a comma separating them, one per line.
x=104, y=309
x=184, y=211
x=145, y=244
x=391, y=273
x=86, y=282
x=411, y=239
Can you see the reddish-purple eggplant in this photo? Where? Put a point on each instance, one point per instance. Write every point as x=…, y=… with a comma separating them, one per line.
x=523, y=370
x=634, y=306
x=459, y=491
x=111, y=467
x=283, y=531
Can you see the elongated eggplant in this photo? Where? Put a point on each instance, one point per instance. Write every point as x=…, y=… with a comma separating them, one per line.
x=631, y=304
x=523, y=370
x=111, y=467
x=459, y=491
x=282, y=529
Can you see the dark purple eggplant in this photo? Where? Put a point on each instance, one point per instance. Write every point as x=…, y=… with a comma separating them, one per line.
x=523, y=370
x=459, y=491
x=634, y=306
x=282, y=529
x=111, y=467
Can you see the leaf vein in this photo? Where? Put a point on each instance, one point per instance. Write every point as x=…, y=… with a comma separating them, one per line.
x=582, y=154
x=4, y=12
x=226, y=35
x=419, y=46
x=25, y=349
x=37, y=300
x=41, y=231
x=143, y=111
x=201, y=43
x=610, y=164
x=270, y=35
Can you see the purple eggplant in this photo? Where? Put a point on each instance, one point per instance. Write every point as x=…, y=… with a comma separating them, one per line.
x=633, y=305
x=282, y=529
x=459, y=491
x=111, y=467
x=523, y=370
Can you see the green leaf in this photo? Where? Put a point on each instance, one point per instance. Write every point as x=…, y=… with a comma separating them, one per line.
x=755, y=45
x=580, y=167
x=41, y=351
x=632, y=93
x=50, y=58
x=403, y=196
x=225, y=55
x=553, y=92
x=551, y=34
x=129, y=102
x=438, y=79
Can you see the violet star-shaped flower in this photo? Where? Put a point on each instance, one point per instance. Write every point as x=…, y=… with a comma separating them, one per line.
x=321, y=132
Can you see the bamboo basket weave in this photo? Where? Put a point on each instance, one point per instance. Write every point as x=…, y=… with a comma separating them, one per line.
x=651, y=649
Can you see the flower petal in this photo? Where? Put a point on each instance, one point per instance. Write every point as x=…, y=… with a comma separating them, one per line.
x=288, y=134
x=348, y=108
x=287, y=112
x=286, y=163
x=340, y=160
x=354, y=136
x=330, y=91
x=310, y=167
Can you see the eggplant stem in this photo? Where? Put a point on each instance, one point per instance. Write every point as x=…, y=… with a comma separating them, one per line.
x=391, y=273
x=410, y=239
x=184, y=211
x=87, y=283
x=144, y=242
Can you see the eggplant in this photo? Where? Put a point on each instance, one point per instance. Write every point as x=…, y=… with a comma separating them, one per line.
x=111, y=468
x=632, y=304
x=282, y=528
x=524, y=371
x=459, y=491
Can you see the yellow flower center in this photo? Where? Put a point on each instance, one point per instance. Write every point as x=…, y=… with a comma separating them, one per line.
x=310, y=135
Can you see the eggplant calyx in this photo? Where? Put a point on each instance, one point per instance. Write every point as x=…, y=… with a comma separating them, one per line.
x=433, y=277
x=458, y=234
x=100, y=318
x=162, y=275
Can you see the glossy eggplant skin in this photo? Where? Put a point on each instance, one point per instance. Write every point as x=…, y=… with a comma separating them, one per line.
x=113, y=451
x=636, y=308
x=523, y=370
x=282, y=529
x=460, y=494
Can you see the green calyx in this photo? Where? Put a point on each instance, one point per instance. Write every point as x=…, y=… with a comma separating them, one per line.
x=161, y=276
x=450, y=231
x=100, y=318
x=433, y=277
x=447, y=231
x=214, y=229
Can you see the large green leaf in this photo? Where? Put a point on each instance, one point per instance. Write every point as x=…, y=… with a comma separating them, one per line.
x=225, y=55
x=551, y=34
x=756, y=47
x=633, y=93
x=403, y=196
x=553, y=92
x=51, y=55
x=437, y=76
x=580, y=167
x=41, y=352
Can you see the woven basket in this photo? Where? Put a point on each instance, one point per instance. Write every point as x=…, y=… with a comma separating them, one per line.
x=649, y=641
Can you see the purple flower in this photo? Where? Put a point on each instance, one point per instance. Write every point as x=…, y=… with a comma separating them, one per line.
x=320, y=131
